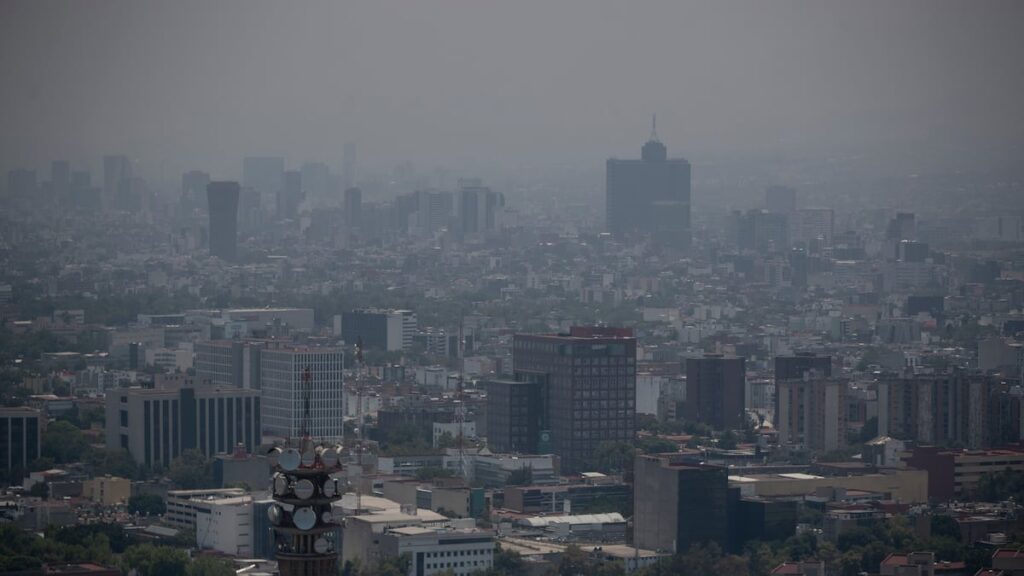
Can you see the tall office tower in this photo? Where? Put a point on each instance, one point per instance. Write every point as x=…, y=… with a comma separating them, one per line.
x=193, y=188
x=318, y=185
x=761, y=230
x=796, y=366
x=715, y=391
x=678, y=504
x=60, y=182
x=265, y=175
x=282, y=370
x=950, y=408
x=590, y=378
x=157, y=424
x=290, y=196
x=478, y=206
x=810, y=412
x=223, y=203
x=813, y=224
x=517, y=416
x=390, y=330
x=116, y=170
x=781, y=199
x=433, y=210
x=650, y=195
x=353, y=207
x=348, y=166
x=21, y=440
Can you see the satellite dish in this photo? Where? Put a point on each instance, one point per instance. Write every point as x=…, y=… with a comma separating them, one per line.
x=308, y=457
x=329, y=457
x=327, y=517
x=304, y=518
x=289, y=460
x=321, y=546
x=330, y=488
x=280, y=484
x=304, y=489
x=275, y=514
x=272, y=455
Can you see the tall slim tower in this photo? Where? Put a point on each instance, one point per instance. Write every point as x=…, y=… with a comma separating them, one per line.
x=223, y=201
x=303, y=491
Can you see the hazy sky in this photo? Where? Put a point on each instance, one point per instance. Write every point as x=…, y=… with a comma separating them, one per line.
x=203, y=83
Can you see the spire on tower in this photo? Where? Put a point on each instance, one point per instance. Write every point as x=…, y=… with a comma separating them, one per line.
x=654, y=128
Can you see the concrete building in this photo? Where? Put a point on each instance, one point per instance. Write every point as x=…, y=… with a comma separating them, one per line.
x=225, y=525
x=650, y=195
x=182, y=505
x=228, y=363
x=955, y=473
x=282, y=372
x=901, y=484
x=589, y=380
x=157, y=424
x=390, y=330
x=810, y=413
x=107, y=490
x=936, y=408
x=678, y=504
x=715, y=389
x=21, y=439
x=435, y=551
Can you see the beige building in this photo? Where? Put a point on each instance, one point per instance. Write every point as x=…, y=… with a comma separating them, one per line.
x=903, y=485
x=108, y=490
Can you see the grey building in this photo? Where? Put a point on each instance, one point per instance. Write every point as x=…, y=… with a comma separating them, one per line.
x=716, y=391
x=20, y=439
x=228, y=363
x=223, y=204
x=678, y=504
x=157, y=425
x=516, y=416
x=650, y=195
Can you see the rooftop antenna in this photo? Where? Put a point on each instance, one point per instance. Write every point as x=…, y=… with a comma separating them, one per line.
x=654, y=128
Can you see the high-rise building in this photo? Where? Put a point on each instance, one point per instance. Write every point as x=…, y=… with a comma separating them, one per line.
x=794, y=367
x=517, y=416
x=390, y=330
x=193, y=188
x=228, y=363
x=290, y=196
x=810, y=412
x=761, y=230
x=116, y=170
x=265, y=175
x=942, y=409
x=650, y=195
x=157, y=424
x=223, y=205
x=21, y=440
x=678, y=504
x=433, y=210
x=715, y=391
x=317, y=184
x=590, y=380
x=348, y=166
x=478, y=207
x=353, y=209
x=283, y=381
x=813, y=224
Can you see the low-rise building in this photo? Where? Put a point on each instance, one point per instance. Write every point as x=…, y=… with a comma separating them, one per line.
x=433, y=551
x=225, y=525
x=107, y=490
x=182, y=504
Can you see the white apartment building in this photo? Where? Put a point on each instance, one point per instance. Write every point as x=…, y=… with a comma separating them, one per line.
x=225, y=525
x=434, y=551
x=281, y=373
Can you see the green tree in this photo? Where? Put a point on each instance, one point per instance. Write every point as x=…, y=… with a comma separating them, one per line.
x=116, y=462
x=150, y=560
x=613, y=457
x=656, y=445
x=191, y=470
x=728, y=440
x=148, y=504
x=210, y=566
x=40, y=490
x=64, y=443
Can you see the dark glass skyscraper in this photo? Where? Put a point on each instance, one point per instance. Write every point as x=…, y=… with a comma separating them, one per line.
x=650, y=196
x=716, y=391
x=590, y=384
x=223, y=200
